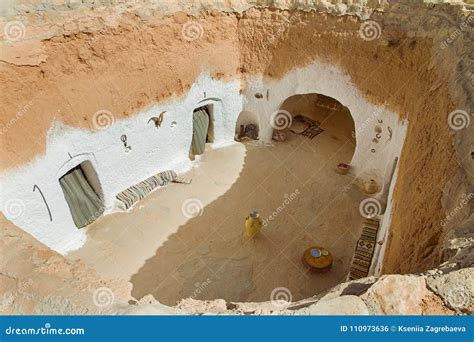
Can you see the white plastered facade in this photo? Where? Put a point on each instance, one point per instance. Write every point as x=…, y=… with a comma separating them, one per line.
x=167, y=147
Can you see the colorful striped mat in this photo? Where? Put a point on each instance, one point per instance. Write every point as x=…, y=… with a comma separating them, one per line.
x=136, y=192
x=364, y=250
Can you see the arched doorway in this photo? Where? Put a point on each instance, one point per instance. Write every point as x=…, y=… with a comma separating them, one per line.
x=247, y=125
x=327, y=113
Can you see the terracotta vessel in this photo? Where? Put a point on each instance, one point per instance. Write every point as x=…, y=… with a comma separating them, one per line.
x=371, y=187
x=343, y=168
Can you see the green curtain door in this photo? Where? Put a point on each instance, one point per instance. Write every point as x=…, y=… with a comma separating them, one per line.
x=200, y=128
x=84, y=203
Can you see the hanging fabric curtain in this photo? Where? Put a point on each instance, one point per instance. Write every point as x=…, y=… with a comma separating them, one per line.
x=84, y=203
x=200, y=128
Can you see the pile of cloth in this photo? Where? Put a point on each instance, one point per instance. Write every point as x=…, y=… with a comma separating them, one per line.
x=136, y=192
x=306, y=126
x=247, y=132
x=251, y=131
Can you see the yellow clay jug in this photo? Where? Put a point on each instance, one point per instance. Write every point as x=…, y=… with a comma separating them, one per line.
x=253, y=224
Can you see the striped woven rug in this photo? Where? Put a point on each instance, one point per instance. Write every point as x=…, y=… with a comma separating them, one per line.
x=364, y=250
x=136, y=192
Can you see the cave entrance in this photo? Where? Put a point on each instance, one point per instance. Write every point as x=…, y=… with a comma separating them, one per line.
x=247, y=126
x=203, y=129
x=83, y=194
x=313, y=114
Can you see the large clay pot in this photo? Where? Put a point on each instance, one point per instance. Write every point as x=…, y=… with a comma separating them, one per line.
x=371, y=187
x=253, y=224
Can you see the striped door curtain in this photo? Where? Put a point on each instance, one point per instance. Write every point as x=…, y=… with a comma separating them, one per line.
x=84, y=203
x=200, y=128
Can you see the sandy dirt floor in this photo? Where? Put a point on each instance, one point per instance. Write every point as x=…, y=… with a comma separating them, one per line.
x=164, y=253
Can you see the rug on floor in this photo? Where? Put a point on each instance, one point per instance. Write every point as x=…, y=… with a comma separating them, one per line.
x=136, y=192
x=364, y=250
x=312, y=129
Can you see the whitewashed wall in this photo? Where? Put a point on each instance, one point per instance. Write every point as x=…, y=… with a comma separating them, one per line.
x=328, y=80
x=154, y=150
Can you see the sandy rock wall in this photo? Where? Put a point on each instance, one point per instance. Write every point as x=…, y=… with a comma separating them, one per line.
x=416, y=70
x=83, y=73
x=413, y=69
x=34, y=280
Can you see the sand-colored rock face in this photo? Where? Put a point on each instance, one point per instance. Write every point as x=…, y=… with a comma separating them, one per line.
x=417, y=67
x=119, y=70
x=398, y=295
x=37, y=281
x=399, y=70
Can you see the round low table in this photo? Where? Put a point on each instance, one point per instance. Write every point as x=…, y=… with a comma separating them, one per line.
x=317, y=259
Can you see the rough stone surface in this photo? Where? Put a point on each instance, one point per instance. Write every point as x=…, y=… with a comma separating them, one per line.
x=344, y=305
x=34, y=280
x=455, y=288
x=396, y=295
x=156, y=309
